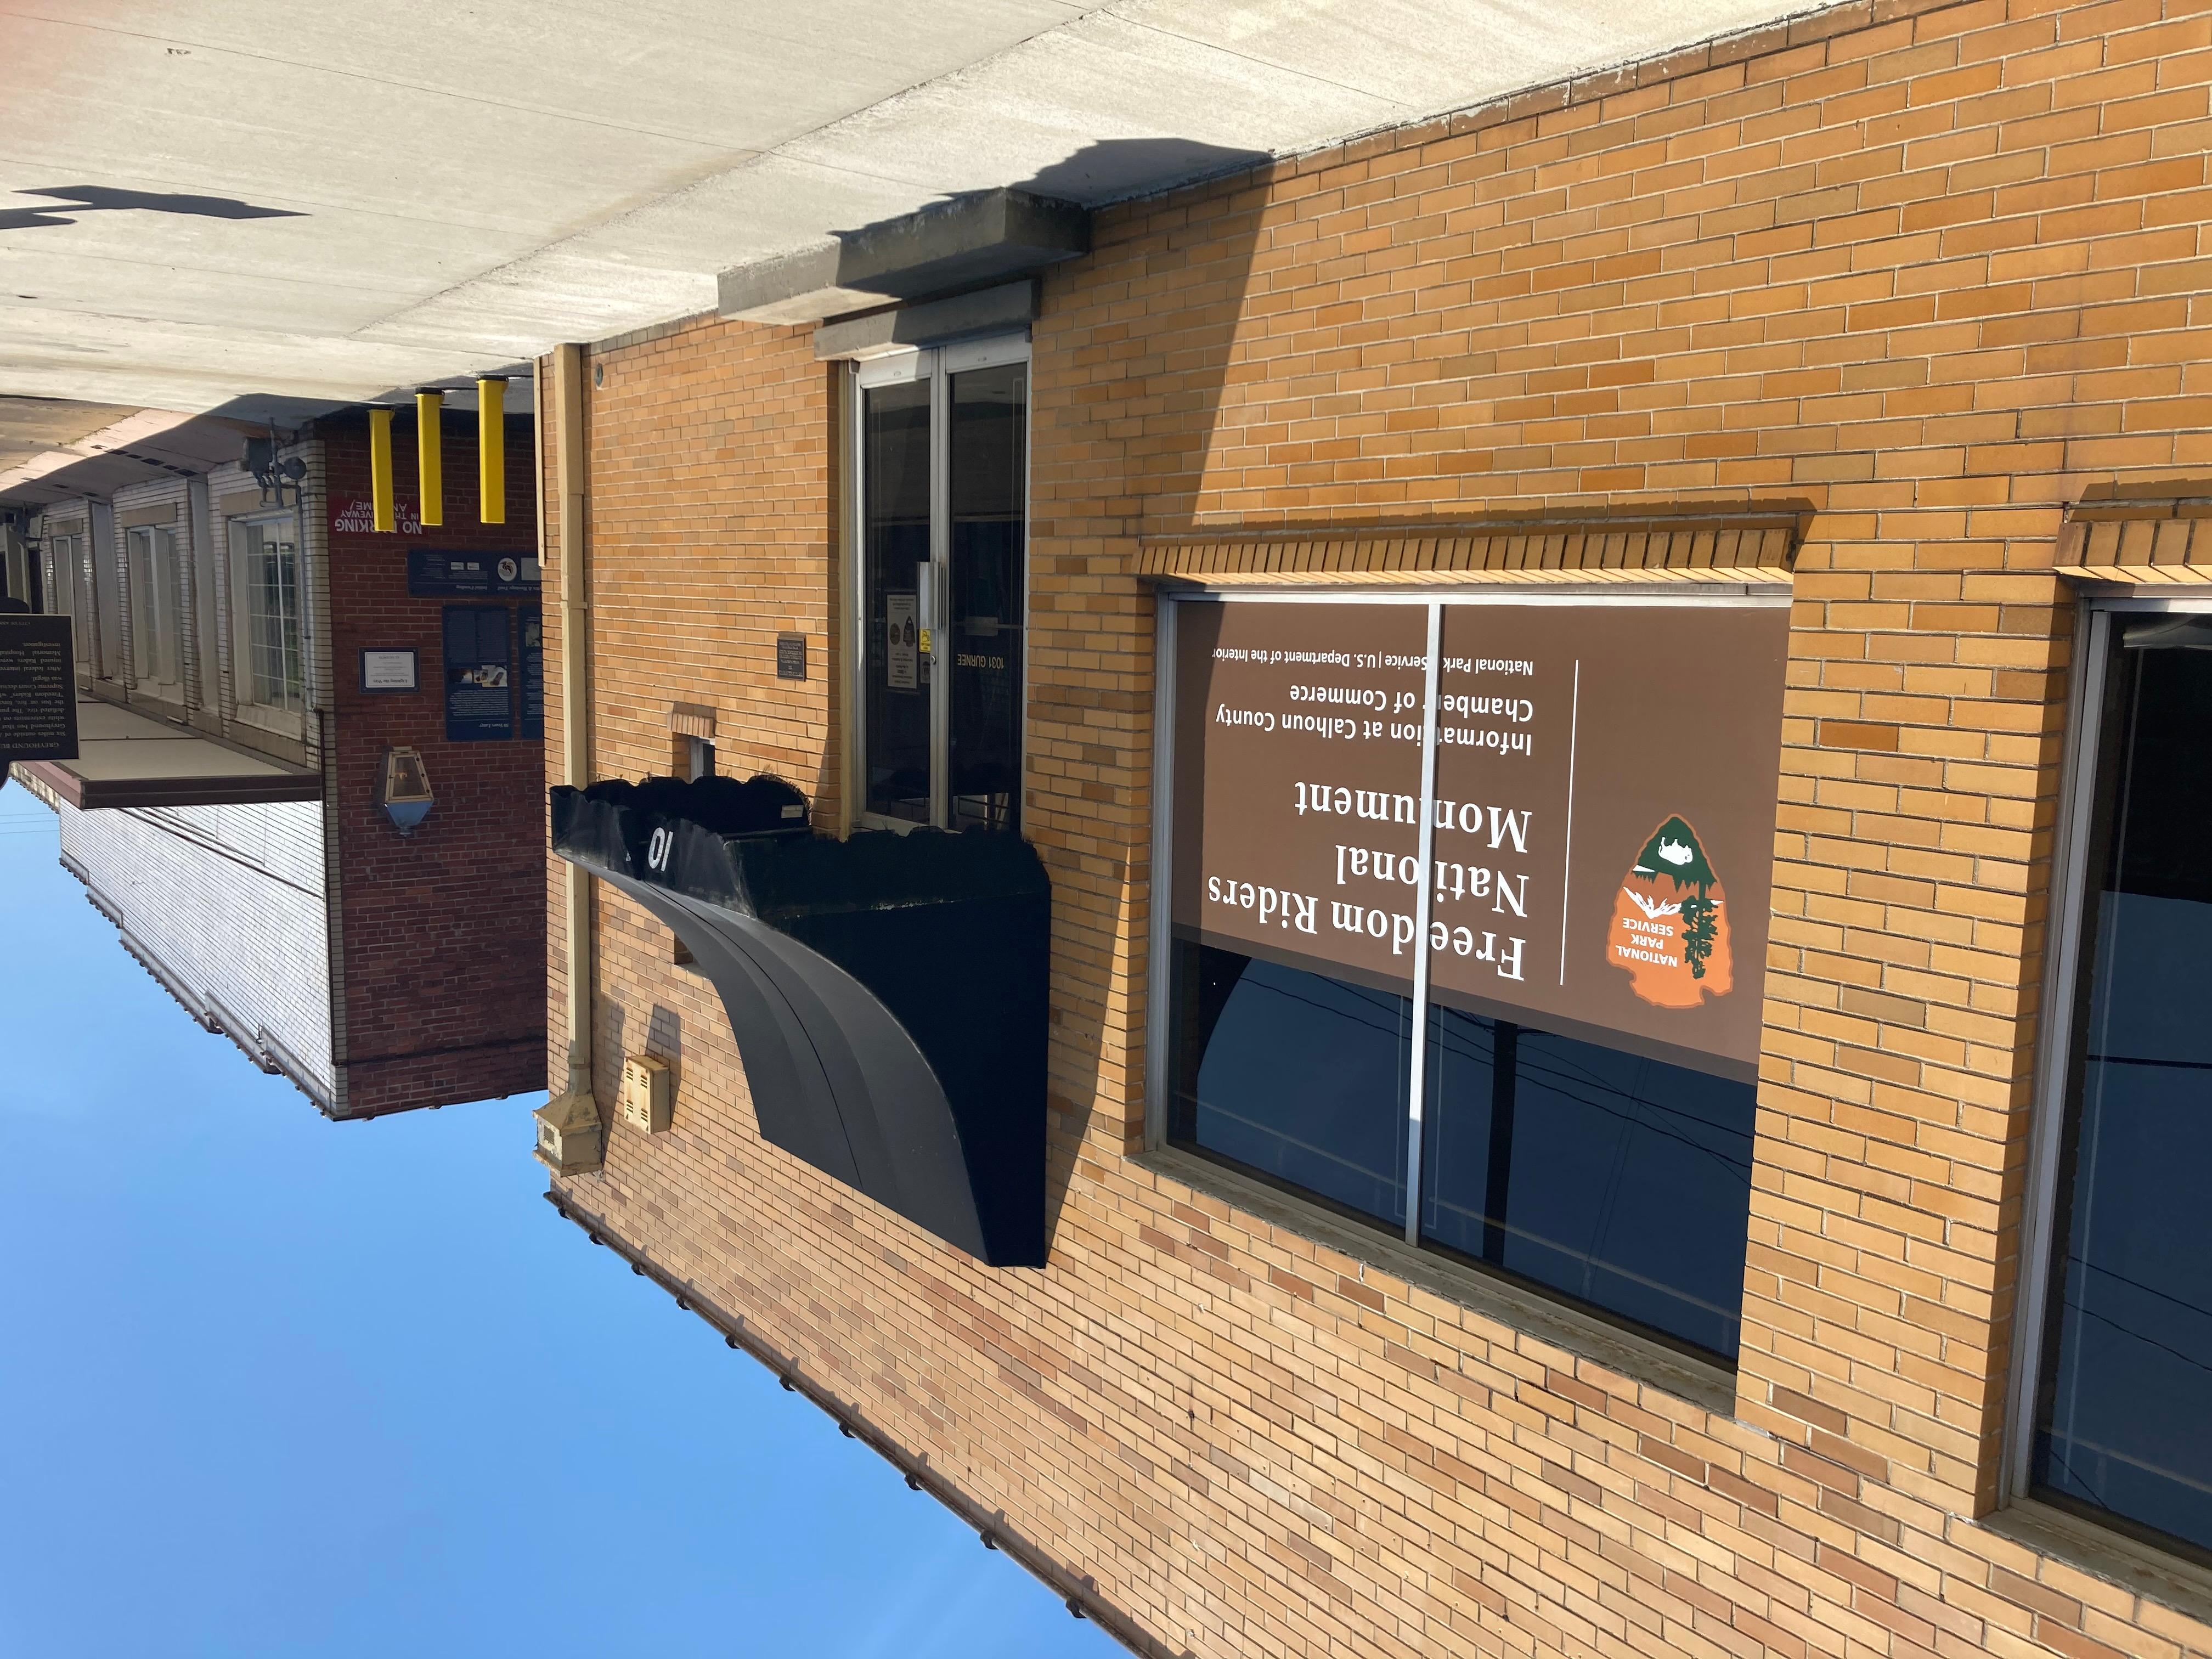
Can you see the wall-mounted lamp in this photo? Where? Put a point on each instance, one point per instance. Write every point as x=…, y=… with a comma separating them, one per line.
x=403, y=788
x=275, y=476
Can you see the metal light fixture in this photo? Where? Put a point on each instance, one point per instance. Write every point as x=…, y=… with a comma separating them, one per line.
x=274, y=475
x=403, y=788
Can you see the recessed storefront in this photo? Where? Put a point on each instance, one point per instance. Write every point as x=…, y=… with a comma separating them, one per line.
x=943, y=447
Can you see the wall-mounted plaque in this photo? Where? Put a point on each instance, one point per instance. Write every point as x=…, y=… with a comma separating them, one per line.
x=389, y=670
x=791, y=656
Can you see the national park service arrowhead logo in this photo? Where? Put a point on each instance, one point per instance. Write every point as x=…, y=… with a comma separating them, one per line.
x=1670, y=924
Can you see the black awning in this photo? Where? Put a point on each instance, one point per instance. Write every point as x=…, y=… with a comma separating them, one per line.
x=887, y=992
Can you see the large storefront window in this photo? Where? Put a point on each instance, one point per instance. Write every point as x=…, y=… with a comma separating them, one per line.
x=944, y=486
x=2126, y=1378
x=1539, y=833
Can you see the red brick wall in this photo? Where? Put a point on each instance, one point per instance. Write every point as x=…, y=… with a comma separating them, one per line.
x=444, y=931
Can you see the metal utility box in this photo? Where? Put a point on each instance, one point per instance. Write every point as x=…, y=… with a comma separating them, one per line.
x=648, y=1093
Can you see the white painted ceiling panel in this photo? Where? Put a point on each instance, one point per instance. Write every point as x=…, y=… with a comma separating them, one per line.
x=410, y=191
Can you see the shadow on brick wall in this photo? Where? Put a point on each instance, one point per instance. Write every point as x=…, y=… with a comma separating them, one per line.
x=1125, y=416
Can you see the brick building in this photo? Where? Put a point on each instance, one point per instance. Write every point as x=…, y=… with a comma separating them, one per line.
x=247, y=658
x=1781, y=460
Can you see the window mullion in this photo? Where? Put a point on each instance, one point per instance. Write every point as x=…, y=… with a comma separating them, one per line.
x=1417, y=1064
x=940, y=588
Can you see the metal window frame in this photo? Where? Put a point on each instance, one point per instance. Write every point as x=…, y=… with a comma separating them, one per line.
x=2048, y=1103
x=1160, y=919
x=935, y=365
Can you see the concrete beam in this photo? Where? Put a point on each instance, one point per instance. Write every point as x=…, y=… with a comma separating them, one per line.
x=968, y=242
x=880, y=333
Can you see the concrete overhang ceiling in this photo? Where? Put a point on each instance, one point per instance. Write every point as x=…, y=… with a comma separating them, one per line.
x=220, y=205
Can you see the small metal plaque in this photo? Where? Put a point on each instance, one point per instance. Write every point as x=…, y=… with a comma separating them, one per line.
x=791, y=656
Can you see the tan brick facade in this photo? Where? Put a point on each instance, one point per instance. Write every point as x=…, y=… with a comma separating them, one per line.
x=1923, y=276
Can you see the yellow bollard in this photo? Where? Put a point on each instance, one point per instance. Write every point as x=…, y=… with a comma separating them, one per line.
x=491, y=448
x=430, y=453
x=380, y=470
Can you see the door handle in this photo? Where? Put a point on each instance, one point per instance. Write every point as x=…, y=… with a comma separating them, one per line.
x=926, y=606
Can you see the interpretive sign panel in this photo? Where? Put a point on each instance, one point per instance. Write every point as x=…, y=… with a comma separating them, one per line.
x=37, y=688
x=531, y=621
x=433, y=572
x=479, y=691
x=1603, y=803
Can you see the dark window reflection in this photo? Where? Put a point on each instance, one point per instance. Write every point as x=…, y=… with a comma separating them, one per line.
x=894, y=530
x=2127, y=1381
x=1299, y=1077
x=1623, y=1182
x=989, y=486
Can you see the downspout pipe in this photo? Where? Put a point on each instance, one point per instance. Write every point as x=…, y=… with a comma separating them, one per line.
x=571, y=1131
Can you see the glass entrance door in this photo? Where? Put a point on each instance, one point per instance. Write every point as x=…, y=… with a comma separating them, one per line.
x=897, y=569
x=942, y=438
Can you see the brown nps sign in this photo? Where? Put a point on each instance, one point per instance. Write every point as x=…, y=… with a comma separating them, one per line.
x=1604, y=804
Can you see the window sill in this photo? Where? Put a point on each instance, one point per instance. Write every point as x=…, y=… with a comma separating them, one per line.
x=158, y=706
x=1705, y=1383
x=281, y=735
x=2128, y=1563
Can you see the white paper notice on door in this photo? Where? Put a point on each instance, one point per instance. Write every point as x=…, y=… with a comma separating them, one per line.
x=902, y=642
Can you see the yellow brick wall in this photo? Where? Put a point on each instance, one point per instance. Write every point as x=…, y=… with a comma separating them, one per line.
x=1925, y=273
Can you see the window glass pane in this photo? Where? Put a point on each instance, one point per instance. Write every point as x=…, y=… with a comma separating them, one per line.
x=152, y=561
x=1294, y=1075
x=168, y=639
x=269, y=589
x=106, y=578
x=1621, y=1181
x=68, y=593
x=139, y=544
x=895, y=548
x=2127, y=1386
x=1295, y=879
x=989, y=485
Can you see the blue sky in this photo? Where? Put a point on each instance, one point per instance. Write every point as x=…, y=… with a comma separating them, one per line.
x=281, y=1386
